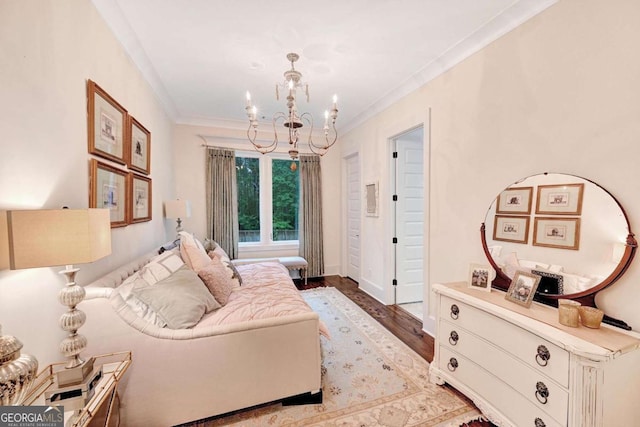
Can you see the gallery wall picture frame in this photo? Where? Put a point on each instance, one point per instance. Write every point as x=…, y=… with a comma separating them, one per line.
x=138, y=147
x=560, y=199
x=108, y=190
x=480, y=277
x=515, y=201
x=106, y=124
x=554, y=232
x=140, y=198
x=509, y=228
x=522, y=288
x=371, y=196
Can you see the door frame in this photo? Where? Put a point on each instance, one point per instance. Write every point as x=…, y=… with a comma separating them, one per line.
x=394, y=204
x=428, y=320
x=344, y=228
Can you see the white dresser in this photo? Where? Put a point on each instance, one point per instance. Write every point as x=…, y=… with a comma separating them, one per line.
x=522, y=368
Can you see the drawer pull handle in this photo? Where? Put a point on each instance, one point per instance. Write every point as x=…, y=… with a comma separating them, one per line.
x=454, y=311
x=453, y=364
x=543, y=356
x=453, y=338
x=542, y=392
x=540, y=423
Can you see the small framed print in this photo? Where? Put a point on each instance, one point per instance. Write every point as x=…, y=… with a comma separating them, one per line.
x=563, y=199
x=480, y=277
x=108, y=190
x=522, y=289
x=513, y=229
x=561, y=233
x=140, y=198
x=138, y=147
x=372, y=199
x=106, y=124
x=515, y=201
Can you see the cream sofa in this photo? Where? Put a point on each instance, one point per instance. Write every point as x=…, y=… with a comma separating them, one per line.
x=181, y=375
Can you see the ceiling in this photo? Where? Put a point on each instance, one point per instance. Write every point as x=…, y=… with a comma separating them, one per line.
x=201, y=56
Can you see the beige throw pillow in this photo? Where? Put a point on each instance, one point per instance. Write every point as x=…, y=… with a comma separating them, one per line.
x=220, y=279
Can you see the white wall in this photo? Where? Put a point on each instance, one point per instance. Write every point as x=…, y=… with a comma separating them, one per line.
x=557, y=94
x=190, y=178
x=49, y=48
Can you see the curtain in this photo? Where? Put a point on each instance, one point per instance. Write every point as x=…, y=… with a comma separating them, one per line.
x=221, y=198
x=311, y=244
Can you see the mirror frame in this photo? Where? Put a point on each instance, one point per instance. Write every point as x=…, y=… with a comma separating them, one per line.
x=587, y=297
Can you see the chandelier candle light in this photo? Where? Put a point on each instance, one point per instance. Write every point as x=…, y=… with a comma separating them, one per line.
x=292, y=120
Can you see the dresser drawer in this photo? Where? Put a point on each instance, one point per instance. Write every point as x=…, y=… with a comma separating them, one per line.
x=534, y=386
x=519, y=410
x=533, y=350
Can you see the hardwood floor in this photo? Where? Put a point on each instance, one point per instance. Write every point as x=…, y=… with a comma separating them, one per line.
x=400, y=323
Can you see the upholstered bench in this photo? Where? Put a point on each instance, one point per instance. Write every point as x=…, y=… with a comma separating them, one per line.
x=291, y=262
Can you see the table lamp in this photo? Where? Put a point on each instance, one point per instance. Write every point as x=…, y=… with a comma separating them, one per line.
x=46, y=238
x=177, y=209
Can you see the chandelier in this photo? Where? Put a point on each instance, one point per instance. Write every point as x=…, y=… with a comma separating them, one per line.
x=292, y=120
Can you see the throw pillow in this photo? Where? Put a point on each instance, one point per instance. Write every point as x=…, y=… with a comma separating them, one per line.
x=161, y=267
x=219, y=279
x=219, y=253
x=193, y=252
x=179, y=300
x=141, y=309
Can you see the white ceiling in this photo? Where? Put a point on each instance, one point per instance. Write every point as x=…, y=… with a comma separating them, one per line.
x=201, y=56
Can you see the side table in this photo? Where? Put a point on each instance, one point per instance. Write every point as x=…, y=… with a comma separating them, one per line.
x=102, y=407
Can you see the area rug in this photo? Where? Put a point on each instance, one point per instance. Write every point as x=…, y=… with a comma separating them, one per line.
x=369, y=378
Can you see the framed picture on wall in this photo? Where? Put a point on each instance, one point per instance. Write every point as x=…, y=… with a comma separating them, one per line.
x=561, y=233
x=106, y=125
x=108, y=190
x=515, y=200
x=138, y=147
x=562, y=199
x=513, y=229
x=140, y=198
x=371, y=194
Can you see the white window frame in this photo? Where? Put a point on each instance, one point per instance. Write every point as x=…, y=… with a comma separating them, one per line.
x=266, y=242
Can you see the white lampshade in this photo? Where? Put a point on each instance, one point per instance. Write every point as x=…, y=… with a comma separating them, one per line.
x=177, y=209
x=45, y=238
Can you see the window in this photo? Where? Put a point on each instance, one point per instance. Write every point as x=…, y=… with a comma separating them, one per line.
x=268, y=199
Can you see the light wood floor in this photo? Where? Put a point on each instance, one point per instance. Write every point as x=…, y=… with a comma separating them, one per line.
x=400, y=323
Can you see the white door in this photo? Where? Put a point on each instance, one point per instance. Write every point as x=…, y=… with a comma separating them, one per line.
x=410, y=218
x=353, y=217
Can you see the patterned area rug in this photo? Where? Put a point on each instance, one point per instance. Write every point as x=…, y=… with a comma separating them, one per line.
x=369, y=377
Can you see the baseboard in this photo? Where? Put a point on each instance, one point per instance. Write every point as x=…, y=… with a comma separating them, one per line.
x=304, y=399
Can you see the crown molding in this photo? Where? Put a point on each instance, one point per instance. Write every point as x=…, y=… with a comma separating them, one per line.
x=510, y=18
x=501, y=24
x=114, y=18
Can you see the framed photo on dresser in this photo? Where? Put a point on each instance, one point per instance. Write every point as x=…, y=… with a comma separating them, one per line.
x=480, y=277
x=522, y=289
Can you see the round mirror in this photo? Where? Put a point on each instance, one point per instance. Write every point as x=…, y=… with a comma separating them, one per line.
x=566, y=229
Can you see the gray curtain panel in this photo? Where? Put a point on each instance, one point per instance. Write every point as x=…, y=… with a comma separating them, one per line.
x=222, y=200
x=311, y=244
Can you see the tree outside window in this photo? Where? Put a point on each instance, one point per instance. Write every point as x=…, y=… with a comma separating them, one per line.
x=268, y=199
